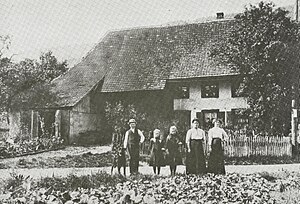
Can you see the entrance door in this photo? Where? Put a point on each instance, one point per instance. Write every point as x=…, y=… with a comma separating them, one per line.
x=208, y=116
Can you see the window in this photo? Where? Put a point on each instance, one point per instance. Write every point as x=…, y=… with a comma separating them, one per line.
x=210, y=90
x=182, y=92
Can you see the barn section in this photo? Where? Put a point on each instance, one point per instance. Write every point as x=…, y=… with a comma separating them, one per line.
x=80, y=123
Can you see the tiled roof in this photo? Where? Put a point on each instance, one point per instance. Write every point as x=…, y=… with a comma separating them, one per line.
x=197, y=62
x=79, y=80
x=150, y=56
x=144, y=58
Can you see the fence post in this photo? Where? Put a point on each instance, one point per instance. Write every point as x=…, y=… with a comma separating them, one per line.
x=294, y=128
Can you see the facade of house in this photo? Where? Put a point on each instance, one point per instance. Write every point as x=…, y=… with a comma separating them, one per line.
x=209, y=98
x=167, y=68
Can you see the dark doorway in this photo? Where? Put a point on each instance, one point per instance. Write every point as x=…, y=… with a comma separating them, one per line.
x=207, y=117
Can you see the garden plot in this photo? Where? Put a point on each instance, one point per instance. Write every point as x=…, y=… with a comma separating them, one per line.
x=103, y=188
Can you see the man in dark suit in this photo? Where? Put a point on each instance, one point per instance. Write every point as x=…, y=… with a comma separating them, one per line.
x=133, y=138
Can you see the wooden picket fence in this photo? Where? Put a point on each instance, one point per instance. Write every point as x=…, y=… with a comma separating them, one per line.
x=243, y=146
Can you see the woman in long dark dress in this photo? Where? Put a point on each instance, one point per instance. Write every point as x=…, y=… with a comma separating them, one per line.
x=195, y=139
x=156, y=148
x=172, y=148
x=216, y=136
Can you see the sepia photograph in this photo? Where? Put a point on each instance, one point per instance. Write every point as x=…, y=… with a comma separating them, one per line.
x=149, y=101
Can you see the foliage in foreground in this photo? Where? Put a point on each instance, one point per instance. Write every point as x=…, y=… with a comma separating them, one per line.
x=103, y=188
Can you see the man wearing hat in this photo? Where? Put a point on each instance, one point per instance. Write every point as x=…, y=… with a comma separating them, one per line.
x=132, y=140
x=195, y=138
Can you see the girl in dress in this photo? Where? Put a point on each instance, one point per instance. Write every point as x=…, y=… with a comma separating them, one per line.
x=216, y=136
x=156, y=150
x=172, y=148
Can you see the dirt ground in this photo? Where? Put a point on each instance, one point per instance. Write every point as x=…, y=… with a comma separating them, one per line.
x=144, y=168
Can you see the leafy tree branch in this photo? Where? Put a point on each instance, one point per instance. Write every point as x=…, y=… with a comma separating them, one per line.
x=263, y=47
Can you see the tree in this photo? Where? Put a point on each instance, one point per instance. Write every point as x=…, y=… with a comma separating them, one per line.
x=50, y=67
x=4, y=44
x=27, y=84
x=118, y=113
x=263, y=47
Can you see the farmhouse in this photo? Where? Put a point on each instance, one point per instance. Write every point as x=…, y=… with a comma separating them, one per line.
x=163, y=69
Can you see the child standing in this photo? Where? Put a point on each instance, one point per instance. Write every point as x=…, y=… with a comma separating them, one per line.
x=156, y=151
x=172, y=146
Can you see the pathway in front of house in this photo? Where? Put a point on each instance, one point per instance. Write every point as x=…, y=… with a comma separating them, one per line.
x=144, y=169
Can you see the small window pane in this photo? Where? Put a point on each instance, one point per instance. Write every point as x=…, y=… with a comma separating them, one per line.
x=182, y=92
x=210, y=91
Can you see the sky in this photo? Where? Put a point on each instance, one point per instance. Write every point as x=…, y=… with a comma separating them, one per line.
x=70, y=28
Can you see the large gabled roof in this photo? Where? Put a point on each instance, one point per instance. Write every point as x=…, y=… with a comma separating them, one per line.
x=83, y=77
x=144, y=59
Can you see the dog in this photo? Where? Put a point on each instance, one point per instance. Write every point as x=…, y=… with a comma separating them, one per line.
x=119, y=160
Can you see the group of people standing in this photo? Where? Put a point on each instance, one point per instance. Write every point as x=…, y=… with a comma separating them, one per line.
x=196, y=143
x=168, y=152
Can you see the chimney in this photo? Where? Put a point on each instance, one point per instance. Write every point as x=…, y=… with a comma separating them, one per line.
x=220, y=15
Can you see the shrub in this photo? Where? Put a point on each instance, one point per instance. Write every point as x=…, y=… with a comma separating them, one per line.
x=26, y=144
